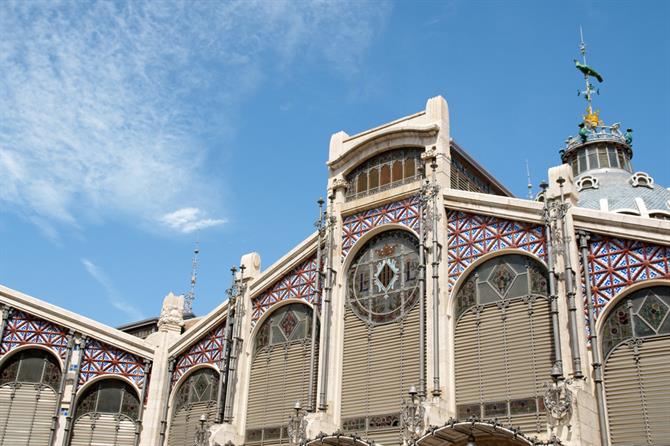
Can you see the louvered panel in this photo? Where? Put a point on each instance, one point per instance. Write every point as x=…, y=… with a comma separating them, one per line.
x=384, y=437
x=466, y=360
x=655, y=371
x=26, y=418
x=103, y=429
x=258, y=388
x=493, y=373
x=185, y=422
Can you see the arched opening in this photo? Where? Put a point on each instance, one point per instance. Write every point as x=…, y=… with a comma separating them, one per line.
x=106, y=413
x=29, y=382
x=478, y=433
x=381, y=335
x=196, y=396
x=280, y=371
x=503, y=342
x=636, y=347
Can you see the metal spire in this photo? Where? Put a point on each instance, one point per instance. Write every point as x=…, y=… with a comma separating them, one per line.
x=530, y=185
x=591, y=117
x=190, y=296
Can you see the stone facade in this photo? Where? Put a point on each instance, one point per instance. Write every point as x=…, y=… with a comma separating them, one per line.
x=460, y=230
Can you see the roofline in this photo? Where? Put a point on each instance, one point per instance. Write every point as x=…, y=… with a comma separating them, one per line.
x=461, y=151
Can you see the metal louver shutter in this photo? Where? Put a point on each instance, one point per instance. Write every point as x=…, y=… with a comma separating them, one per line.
x=25, y=414
x=376, y=374
x=103, y=429
x=502, y=365
x=638, y=393
x=279, y=377
x=186, y=421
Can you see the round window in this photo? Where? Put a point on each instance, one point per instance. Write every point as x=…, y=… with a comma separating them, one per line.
x=384, y=278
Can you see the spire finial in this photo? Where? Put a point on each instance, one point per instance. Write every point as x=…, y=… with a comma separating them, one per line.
x=190, y=296
x=530, y=185
x=591, y=118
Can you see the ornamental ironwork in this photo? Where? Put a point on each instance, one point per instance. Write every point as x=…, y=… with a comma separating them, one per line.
x=297, y=426
x=412, y=417
x=383, y=278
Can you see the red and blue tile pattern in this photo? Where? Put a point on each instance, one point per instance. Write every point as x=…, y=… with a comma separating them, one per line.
x=103, y=359
x=406, y=212
x=616, y=263
x=208, y=350
x=470, y=236
x=26, y=329
x=299, y=283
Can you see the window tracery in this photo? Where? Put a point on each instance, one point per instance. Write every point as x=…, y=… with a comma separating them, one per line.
x=384, y=171
x=290, y=323
x=201, y=386
x=31, y=366
x=383, y=278
x=110, y=396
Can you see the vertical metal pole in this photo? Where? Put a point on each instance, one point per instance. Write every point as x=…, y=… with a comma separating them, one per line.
x=570, y=288
x=61, y=387
x=73, y=391
x=225, y=360
x=138, y=423
x=436, y=287
x=311, y=397
x=422, y=292
x=557, y=369
x=325, y=318
x=593, y=337
x=166, y=406
x=234, y=352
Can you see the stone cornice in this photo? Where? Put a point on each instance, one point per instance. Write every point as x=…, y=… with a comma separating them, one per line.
x=496, y=205
x=650, y=230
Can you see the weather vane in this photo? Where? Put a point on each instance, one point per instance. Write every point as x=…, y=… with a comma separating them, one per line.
x=591, y=118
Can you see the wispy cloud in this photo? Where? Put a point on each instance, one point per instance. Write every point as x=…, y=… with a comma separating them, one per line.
x=187, y=220
x=104, y=103
x=112, y=295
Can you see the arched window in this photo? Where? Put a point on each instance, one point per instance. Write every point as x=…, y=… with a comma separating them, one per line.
x=196, y=396
x=502, y=342
x=29, y=382
x=279, y=373
x=381, y=335
x=384, y=171
x=636, y=347
x=106, y=413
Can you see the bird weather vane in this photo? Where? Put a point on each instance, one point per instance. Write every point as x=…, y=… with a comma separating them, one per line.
x=591, y=118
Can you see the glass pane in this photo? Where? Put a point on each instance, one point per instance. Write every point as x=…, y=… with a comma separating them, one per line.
x=87, y=403
x=602, y=157
x=31, y=367
x=52, y=373
x=527, y=405
x=582, y=161
x=385, y=177
x=593, y=158
x=362, y=182
x=109, y=397
x=622, y=159
x=574, y=167
x=611, y=151
x=396, y=174
x=9, y=370
x=410, y=169
x=465, y=411
x=374, y=179
x=495, y=409
x=131, y=405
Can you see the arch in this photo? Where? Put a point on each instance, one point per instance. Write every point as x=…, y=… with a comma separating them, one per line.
x=276, y=306
x=30, y=380
x=502, y=337
x=99, y=378
x=635, y=342
x=483, y=259
x=20, y=348
x=361, y=242
x=185, y=376
x=485, y=433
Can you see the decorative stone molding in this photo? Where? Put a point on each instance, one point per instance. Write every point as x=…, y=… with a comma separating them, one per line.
x=340, y=183
x=642, y=179
x=587, y=182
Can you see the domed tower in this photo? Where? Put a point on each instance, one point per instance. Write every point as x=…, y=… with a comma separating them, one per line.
x=600, y=157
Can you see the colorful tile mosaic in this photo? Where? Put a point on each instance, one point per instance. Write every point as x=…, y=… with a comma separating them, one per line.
x=615, y=263
x=102, y=359
x=299, y=283
x=470, y=236
x=405, y=212
x=24, y=329
x=208, y=350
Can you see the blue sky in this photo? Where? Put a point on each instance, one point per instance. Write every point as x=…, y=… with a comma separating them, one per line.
x=128, y=128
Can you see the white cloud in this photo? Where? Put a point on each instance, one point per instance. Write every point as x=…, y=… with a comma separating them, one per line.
x=103, y=103
x=112, y=295
x=188, y=220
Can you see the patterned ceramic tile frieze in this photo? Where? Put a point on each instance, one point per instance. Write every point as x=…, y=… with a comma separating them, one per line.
x=615, y=263
x=103, y=359
x=299, y=283
x=208, y=350
x=471, y=235
x=405, y=212
x=25, y=329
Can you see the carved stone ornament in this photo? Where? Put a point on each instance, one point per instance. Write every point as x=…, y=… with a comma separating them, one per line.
x=172, y=313
x=558, y=400
x=340, y=183
x=429, y=154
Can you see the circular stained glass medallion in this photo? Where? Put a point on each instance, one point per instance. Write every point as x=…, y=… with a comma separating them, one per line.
x=384, y=278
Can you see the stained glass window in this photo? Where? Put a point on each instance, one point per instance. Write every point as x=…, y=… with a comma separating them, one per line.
x=384, y=171
x=643, y=314
x=383, y=278
x=289, y=323
x=109, y=396
x=201, y=385
x=32, y=366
